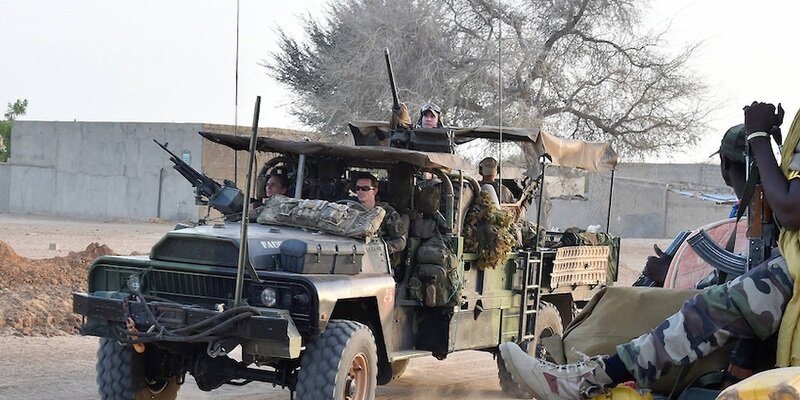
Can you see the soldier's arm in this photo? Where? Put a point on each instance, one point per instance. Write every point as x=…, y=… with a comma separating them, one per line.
x=783, y=194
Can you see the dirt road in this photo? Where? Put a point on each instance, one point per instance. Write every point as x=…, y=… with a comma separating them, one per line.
x=62, y=367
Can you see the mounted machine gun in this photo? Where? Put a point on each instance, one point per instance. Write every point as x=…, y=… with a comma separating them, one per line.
x=225, y=198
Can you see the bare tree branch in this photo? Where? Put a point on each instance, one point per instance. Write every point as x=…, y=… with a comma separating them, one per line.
x=581, y=67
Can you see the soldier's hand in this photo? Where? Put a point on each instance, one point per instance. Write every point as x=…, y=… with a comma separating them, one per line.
x=776, y=129
x=762, y=117
x=400, y=117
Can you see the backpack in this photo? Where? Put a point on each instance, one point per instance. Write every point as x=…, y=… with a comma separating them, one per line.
x=434, y=278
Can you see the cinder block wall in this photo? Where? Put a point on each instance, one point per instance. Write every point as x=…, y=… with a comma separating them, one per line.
x=111, y=170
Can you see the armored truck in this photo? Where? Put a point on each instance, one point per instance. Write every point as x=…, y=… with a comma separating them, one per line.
x=317, y=304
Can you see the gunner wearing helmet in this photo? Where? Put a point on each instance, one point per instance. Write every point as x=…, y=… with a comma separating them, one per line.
x=430, y=116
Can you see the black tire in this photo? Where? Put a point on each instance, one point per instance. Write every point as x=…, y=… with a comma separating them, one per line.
x=121, y=375
x=341, y=364
x=507, y=383
x=398, y=367
x=548, y=323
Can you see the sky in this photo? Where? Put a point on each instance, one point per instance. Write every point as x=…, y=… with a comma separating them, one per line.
x=175, y=61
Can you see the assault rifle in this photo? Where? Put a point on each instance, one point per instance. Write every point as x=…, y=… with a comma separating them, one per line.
x=392, y=85
x=400, y=121
x=226, y=198
x=762, y=232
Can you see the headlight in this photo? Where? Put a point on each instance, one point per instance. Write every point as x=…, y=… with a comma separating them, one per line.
x=268, y=297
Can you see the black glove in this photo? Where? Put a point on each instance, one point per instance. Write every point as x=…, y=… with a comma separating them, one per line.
x=761, y=117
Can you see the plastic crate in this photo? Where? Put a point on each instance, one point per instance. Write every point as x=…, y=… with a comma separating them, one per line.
x=580, y=266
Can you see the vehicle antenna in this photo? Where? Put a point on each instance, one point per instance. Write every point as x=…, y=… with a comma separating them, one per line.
x=500, y=97
x=236, y=101
x=244, y=257
x=610, y=198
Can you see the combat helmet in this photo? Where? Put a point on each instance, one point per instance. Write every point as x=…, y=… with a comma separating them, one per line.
x=432, y=107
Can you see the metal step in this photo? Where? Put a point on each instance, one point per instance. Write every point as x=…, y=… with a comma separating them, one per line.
x=407, y=354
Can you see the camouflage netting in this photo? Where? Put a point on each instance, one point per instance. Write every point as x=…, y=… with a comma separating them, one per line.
x=488, y=232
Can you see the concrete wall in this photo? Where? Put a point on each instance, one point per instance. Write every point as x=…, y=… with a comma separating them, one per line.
x=105, y=170
x=113, y=170
x=645, y=203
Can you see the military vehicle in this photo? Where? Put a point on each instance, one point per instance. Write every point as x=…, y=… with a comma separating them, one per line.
x=314, y=307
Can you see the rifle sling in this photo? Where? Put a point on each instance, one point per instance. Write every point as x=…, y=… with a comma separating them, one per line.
x=750, y=188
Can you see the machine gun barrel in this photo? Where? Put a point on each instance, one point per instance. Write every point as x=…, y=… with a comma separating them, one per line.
x=395, y=97
x=226, y=199
x=204, y=185
x=718, y=257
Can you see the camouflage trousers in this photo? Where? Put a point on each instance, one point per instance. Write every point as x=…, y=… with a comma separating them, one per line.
x=750, y=306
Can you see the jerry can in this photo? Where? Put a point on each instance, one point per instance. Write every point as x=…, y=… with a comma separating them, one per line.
x=624, y=392
x=776, y=384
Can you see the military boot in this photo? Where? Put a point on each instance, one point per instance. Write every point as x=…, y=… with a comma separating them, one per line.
x=548, y=381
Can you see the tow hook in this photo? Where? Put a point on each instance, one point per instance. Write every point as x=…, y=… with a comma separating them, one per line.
x=139, y=347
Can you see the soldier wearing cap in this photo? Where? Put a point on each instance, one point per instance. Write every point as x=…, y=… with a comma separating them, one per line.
x=488, y=169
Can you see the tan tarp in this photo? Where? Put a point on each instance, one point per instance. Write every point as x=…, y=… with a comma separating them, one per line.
x=579, y=154
x=565, y=152
x=618, y=314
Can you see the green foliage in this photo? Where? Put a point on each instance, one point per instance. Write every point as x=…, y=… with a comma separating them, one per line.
x=16, y=109
x=5, y=140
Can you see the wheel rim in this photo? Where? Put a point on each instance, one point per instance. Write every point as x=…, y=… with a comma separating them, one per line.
x=156, y=386
x=355, y=386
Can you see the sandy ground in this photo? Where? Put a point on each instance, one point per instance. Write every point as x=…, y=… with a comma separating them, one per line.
x=52, y=364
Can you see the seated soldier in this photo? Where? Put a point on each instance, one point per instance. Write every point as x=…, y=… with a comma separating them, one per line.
x=277, y=184
x=755, y=305
x=488, y=168
x=394, y=228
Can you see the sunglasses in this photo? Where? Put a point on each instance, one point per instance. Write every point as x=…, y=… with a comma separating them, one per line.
x=364, y=188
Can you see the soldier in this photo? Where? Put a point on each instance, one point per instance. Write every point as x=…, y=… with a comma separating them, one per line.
x=430, y=116
x=277, y=184
x=488, y=168
x=394, y=228
x=754, y=305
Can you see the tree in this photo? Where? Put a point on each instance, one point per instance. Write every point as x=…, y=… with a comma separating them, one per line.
x=577, y=68
x=16, y=109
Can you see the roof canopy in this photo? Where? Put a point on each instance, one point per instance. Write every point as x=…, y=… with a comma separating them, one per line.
x=382, y=154
x=566, y=152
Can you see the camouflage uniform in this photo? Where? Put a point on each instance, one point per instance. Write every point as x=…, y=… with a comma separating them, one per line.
x=394, y=229
x=750, y=306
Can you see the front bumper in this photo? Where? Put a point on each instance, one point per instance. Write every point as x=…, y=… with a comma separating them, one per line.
x=272, y=333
